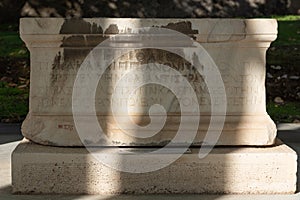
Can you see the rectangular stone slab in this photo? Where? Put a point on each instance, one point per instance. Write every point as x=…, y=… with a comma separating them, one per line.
x=42, y=169
x=58, y=48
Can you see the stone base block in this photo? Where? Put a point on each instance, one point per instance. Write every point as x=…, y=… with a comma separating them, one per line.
x=240, y=170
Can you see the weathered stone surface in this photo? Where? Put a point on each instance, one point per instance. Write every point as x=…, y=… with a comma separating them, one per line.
x=43, y=169
x=58, y=48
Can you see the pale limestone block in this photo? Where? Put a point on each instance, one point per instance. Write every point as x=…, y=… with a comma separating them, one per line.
x=240, y=170
x=59, y=46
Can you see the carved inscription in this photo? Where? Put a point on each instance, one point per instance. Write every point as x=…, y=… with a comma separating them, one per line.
x=55, y=92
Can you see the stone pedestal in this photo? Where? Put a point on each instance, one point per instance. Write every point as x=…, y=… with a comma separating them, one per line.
x=228, y=72
x=41, y=169
x=237, y=47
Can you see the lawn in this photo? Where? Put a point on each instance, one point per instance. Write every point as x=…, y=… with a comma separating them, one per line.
x=11, y=45
x=284, y=52
x=288, y=29
x=286, y=112
x=283, y=61
x=14, y=75
x=13, y=103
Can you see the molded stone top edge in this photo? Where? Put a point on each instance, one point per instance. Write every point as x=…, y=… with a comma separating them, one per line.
x=190, y=26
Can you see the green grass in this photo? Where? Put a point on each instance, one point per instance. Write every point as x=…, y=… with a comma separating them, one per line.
x=287, y=17
x=288, y=30
x=12, y=46
x=13, y=102
x=285, y=53
x=284, y=113
x=9, y=27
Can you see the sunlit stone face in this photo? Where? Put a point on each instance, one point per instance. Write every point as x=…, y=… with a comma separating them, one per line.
x=58, y=48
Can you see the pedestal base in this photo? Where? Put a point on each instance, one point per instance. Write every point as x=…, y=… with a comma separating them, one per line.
x=242, y=170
